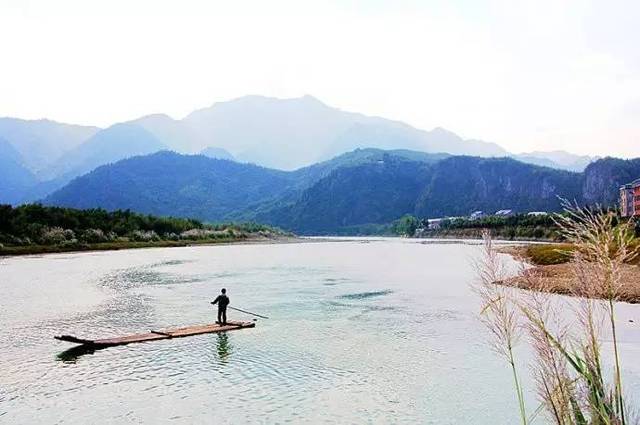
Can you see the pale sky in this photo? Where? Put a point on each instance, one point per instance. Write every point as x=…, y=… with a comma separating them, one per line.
x=535, y=75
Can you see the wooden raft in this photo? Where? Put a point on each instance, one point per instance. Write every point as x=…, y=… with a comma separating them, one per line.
x=156, y=335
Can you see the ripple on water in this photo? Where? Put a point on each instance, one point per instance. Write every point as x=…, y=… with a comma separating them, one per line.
x=365, y=295
x=143, y=276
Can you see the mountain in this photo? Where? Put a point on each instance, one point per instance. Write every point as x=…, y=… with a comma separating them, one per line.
x=365, y=193
x=556, y=159
x=197, y=186
x=360, y=187
x=290, y=133
x=112, y=144
x=41, y=142
x=166, y=183
x=217, y=153
x=604, y=177
x=460, y=184
x=280, y=133
x=457, y=185
x=173, y=134
x=15, y=178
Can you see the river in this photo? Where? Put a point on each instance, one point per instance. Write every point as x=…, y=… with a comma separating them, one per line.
x=360, y=331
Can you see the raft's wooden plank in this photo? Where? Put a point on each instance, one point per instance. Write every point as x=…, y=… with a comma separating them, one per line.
x=158, y=335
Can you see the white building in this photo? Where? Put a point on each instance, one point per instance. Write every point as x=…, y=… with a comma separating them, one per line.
x=434, y=223
x=504, y=213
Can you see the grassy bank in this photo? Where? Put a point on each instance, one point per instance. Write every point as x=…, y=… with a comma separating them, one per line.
x=553, y=270
x=119, y=245
x=553, y=253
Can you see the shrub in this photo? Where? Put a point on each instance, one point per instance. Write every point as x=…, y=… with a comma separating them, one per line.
x=140, y=236
x=196, y=234
x=56, y=235
x=94, y=236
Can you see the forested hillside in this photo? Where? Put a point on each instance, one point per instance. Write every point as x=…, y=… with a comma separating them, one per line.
x=458, y=185
x=363, y=187
x=166, y=183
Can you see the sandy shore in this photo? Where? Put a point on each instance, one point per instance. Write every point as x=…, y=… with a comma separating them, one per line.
x=559, y=278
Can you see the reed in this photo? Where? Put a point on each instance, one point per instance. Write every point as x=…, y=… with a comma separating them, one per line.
x=568, y=366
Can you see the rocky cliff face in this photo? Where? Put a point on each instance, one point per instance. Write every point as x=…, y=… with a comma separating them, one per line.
x=603, y=178
x=459, y=185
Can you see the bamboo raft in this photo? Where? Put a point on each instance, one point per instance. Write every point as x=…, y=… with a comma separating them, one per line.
x=156, y=335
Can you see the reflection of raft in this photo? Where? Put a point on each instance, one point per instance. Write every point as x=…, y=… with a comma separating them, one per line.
x=156, y=335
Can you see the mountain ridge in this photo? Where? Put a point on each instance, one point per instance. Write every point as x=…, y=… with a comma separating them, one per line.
x=360, y=187
x=284, y=133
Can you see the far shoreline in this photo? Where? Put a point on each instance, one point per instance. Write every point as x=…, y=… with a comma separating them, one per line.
x=39, y=250
x=24, y=251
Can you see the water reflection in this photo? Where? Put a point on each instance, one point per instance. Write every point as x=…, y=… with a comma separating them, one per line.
x=223, y=347
x=73, y=354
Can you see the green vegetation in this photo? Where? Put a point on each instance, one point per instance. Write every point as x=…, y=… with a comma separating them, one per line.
x=560, y=253
x=35, y=228
x=544, y=255
x=405, y=226
x=516, y=227
x=519, y=226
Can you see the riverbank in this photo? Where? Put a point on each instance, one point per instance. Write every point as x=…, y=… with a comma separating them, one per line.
x=12, y=251
x=37, y=229
x=522, y=227
x=551, y=271
x=476, y=234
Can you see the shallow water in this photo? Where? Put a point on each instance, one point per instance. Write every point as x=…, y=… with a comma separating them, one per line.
x=362, y=331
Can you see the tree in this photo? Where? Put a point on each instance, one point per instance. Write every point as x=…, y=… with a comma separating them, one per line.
x=405, y=226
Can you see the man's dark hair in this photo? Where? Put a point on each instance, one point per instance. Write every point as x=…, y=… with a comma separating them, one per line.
x=224, y=291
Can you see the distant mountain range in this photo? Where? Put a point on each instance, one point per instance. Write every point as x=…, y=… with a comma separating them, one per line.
x=15, y=178
x=278, y=133
x=556, y=159
x=42, y=142
x=361, y=187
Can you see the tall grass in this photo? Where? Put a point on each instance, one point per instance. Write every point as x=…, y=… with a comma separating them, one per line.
x=569, y=367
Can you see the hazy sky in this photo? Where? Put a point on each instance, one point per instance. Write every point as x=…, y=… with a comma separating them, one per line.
x=536, y=75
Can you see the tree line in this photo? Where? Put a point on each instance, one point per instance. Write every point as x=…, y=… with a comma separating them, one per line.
x=525, y=226
x=35, y=224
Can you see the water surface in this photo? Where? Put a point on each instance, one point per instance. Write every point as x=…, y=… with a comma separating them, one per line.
x=362, y=331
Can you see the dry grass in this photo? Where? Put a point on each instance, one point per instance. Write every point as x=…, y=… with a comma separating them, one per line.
x=568, y=366
x=561, y=279
x=553, y=272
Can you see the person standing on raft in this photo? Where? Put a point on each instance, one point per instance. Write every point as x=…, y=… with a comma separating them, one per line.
x=223, y=301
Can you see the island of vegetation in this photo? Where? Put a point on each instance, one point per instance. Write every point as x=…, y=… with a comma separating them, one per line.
x=34, y=229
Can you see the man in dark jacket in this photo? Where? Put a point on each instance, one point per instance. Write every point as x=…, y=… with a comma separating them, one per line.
x=223, y=301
